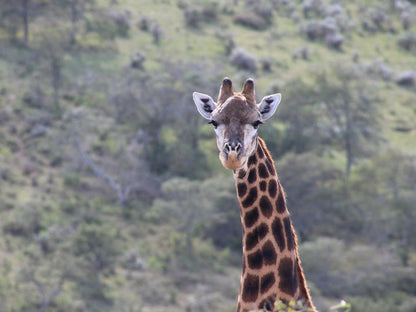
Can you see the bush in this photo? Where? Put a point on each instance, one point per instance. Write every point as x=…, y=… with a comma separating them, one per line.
x=197, y=14
x=243, y=60
x=334, y=40
x=315, y=7
x=109, y=25
x=407, y=41
x=251, y=20
x=319, y=30
x=137, y=59
x=406, y=79
x=262, y=9
x=339, y=270
x=144, y=23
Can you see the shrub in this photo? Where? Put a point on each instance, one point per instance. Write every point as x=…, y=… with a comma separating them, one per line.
x=197, y=14
x=377, y=68
x=262, y=9
x=228, y=42
x=318, y=30
x=156, y=33
x=109, y=25
x=250, y=20
x=137, y=59
x=192, y=17
x=315, y=7
x=407, y=41
x=243, y=60
x=303, y=53
x=407, y=19
x=334, y=40
x=406, y=79
x=144, y=23
x=326, y=30
x=266, y=64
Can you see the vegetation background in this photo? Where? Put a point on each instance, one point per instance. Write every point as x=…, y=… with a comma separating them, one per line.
x=112, y=197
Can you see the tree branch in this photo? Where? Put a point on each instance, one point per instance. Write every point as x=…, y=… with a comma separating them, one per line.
x=100, y=173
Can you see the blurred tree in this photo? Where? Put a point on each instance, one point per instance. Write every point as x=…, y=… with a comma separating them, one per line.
x=302, y=131
x=386, y=188
x=75, y=11
x=189, y=201
x=52, y=46
x=307, y=179
x=350, y=115
x=47, y=267
x=159, y=106
x=18, y=13
x=96, y=247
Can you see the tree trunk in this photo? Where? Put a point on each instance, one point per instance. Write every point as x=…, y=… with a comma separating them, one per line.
x=74, y=21
x=25, y=19
x=348, y=136
x=56, y=68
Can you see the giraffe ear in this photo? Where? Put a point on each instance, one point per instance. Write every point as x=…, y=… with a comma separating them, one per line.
x=205, y=104
x=268, y=105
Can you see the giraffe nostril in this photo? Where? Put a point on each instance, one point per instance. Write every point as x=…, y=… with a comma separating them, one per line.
x=232, y=147
x=238, y=148
x=227, y=148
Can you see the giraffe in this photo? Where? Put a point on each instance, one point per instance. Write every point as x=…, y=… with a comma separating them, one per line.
x=271, y=267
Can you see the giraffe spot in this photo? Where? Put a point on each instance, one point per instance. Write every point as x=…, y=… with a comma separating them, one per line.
x=288, y=276
x=252, y=240
x=263, y=171
x=241, y=189
x=244, y=266
x=277, y=229
x=269, y=254
x=270, y=167
x=251, y=217
x=251, y=198
x=280, y=202
x=266, y=206
x=268, y=303
x=252, y=176
x=267, y=281
x=250, y=288
x=252, y=160
x=289, y=234
x=262, y=230
x=263, y=185
x=241, y=174
x=255, y=260
x=272, y=188
x=260, y=152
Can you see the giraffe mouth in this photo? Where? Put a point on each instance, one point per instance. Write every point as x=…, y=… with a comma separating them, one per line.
x=232, y=160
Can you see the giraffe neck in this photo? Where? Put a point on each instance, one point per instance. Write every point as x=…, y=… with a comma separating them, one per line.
x=271, y=266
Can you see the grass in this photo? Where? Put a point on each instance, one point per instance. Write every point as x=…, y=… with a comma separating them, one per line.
x=178, y=45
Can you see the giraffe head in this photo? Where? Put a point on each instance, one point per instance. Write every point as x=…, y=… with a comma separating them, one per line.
x=236, y=117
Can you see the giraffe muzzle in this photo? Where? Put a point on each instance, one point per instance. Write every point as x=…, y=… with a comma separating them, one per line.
x=231, y=155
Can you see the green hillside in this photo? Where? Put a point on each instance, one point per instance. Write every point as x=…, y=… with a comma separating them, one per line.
x=112, y=197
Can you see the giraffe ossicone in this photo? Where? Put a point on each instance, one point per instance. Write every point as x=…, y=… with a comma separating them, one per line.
x=271, y=265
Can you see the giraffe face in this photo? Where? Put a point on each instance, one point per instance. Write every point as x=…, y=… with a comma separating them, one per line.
x=236, y=119
x=235, y=124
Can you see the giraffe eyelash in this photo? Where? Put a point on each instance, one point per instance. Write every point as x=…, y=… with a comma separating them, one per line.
x=257, y=123
x=214, y=123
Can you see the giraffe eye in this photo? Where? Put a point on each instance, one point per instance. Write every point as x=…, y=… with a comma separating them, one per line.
x=214, y=123
x=256, y=124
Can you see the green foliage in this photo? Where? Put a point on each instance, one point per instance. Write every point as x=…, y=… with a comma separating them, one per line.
x=74, y=79
x=110, y=24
